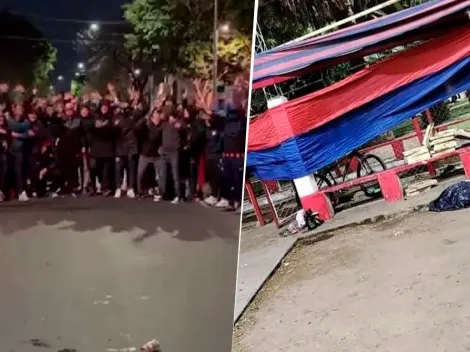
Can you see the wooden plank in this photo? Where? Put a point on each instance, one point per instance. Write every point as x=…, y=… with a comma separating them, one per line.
x=414, y=159
x=418, y=150
x=421, y=185
x=442, y=140
x=444, y=146
x=443, y=134
x=462, y=134
x=427, y=135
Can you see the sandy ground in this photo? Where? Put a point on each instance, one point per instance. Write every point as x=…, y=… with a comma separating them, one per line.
x=400, y=285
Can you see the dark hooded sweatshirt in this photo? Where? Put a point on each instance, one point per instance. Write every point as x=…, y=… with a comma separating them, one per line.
x=124, y=125
x=102, y=141
x=150, y=138
x=71, y=138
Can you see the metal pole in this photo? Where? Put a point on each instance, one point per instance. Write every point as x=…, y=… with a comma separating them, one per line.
x=346, y=20
x=216, y=38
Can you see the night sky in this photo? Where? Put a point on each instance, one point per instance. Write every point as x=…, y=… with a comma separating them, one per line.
x=93, y=10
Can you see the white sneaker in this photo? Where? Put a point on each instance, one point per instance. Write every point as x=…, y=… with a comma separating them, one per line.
x=211, y=200
x=118, y=193
x=157, y=198
x=223, y=203
x=23, y=197
x=175, y=201
x=130, y=193
x=54, y=195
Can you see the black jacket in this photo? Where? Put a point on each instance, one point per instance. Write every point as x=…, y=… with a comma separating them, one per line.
x=150, y=138
x=196, y=131
x=52, y=125
x=33, y=145
x=5, y=139
x=71, y=138
x=102, y=141
x=234, y=133
x=214, y=142
x=125, y=137
x=88, y=125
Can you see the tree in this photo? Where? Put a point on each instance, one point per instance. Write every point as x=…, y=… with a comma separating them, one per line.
x=44, y=66
x=109, y=60
x=177, y=35
x=28, y=58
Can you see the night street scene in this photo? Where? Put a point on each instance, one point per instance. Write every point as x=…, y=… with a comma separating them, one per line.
x=122, y=147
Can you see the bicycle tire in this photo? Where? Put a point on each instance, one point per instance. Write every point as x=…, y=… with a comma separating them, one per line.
x=370, y=190
x=322, y=181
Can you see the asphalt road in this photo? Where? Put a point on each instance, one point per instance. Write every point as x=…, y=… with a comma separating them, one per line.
x=91, y=275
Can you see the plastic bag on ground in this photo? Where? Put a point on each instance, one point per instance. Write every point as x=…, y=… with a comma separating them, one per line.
x=453, y=197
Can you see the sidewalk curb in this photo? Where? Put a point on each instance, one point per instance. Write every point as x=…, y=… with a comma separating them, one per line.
x=266, y=279
x=313, y=238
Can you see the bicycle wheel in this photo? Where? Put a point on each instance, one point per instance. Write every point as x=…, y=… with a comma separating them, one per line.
x=322, y=181
x=368, y=165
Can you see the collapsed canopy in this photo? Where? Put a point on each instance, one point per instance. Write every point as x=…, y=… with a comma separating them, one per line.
x=302, y=136
x=425, y=21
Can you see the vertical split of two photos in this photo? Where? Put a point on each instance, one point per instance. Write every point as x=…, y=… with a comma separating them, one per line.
x=234, y=176
x=357, y=153
x=122, y=130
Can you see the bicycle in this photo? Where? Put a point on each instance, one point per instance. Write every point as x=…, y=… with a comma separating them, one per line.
x=368, y=164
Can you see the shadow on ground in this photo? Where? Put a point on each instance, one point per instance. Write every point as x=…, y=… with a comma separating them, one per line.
x=185, y=222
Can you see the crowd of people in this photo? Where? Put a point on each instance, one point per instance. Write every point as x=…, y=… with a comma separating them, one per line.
x=100, y=144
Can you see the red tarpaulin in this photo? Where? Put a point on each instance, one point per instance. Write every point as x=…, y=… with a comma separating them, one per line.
x=316, y=109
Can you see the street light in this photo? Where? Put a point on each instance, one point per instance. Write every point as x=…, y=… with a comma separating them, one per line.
x=77, y=74
x=225, y=28
x=137, y=72
x=60, y=78
x=94, y=27
x=81, y=65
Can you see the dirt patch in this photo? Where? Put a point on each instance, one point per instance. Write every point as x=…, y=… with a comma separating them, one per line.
x=369, y=287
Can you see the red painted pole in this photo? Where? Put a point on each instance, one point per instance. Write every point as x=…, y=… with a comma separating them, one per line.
x=254, y=202
x=417, y=128
x=429, y=116
x=271, y=205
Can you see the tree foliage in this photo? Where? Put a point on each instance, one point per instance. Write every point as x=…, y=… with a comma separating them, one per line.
x=43, y=68
x=27, y=57
x=177, y=35
x=109, y=60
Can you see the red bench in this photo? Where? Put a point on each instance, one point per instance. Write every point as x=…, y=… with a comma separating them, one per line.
x=388, y=180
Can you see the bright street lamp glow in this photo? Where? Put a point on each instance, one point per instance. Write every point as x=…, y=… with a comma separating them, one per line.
x=137, y=71
x=94, y=27
x=60, y=78
x=225, y=28
x=77, y=74
x=81, y=65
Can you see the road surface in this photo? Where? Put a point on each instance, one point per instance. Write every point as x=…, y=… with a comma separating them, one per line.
x=97, y=274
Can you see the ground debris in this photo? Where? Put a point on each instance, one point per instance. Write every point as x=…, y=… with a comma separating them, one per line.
x=151, y=346
x=39, y=343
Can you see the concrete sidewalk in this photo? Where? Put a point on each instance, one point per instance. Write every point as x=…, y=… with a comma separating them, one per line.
x=262, y=250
